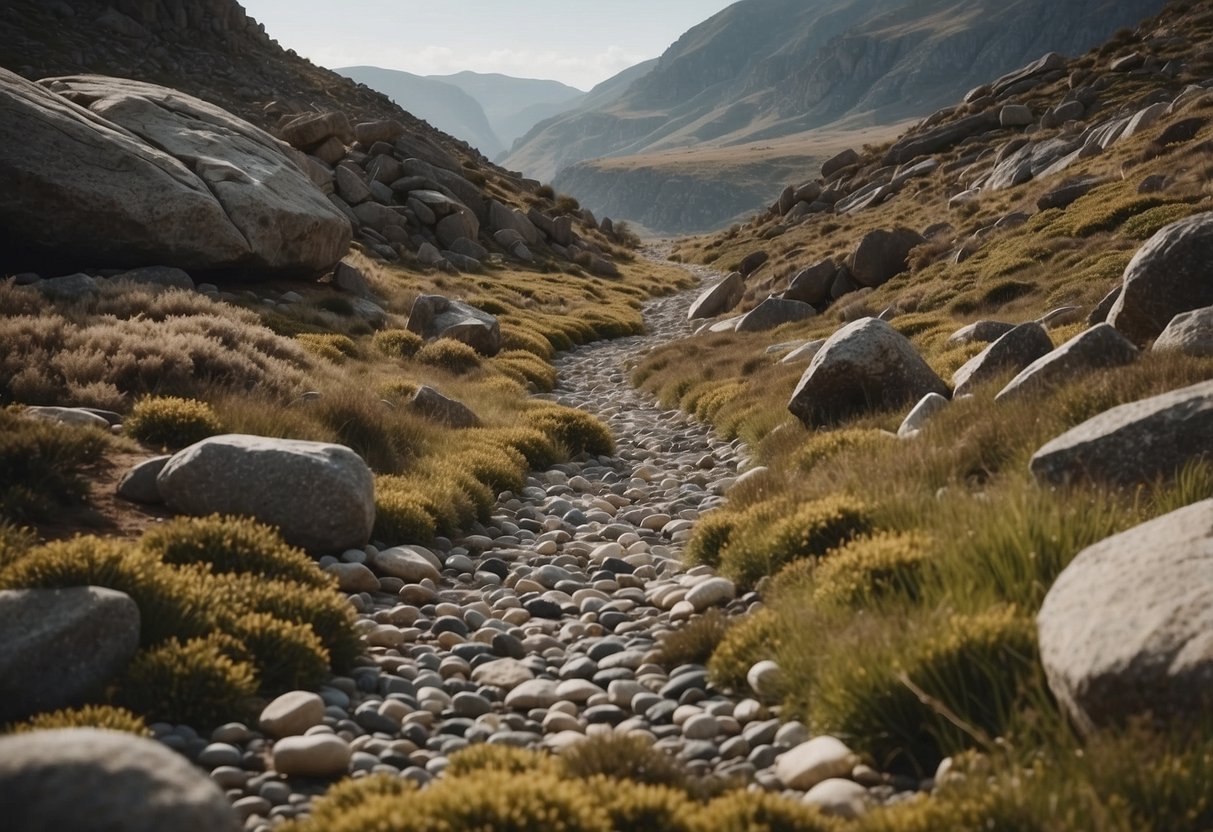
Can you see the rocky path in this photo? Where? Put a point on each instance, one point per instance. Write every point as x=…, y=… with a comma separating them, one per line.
x=537, y=629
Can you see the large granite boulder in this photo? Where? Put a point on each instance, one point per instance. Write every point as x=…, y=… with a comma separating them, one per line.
x=774, y=312
x=1134, y=443
x=105, y=171
x=1125, y=630
x=1009, y=354
x=62, y=646
x=1168, y=275
x=881, y=254
x=85, y=779
x=1096, y=348
x=434, y=316
x=812, y=285
x=719, y=298
x=1190, y=333
x=321, y=496
x=864, y=366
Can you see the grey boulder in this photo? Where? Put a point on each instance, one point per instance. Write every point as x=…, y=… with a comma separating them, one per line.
x=864, y=366
x=774, y=312
x=111, y=172
x=434, y=316
x=1134, y=443
x=1190, y=333
x=439, y=408
x=85, y=779
x=1096, y=348
x=62, y=646
x=139, y=483
x=812, y=285
x=321, y=496
x=1125, y=629
x=1168, y=275
x=883, y=254
x=1009, y=354
x=720, y=298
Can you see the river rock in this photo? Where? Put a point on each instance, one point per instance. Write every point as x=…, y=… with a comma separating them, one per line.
x=813, y=762
x=321, y=496
x=62, y=646
x=167, y=179
x=1134, y=443
x=322, y=756
x=865, y=365
x=87, y=779
x=1096, y=348
x=711, y=592
x=408, y=563
x=1167, y=276
x=882, y=254
x=839, y=797
x=1009, y=354
x=434, y=316
x=719, y=298
x=292, y=714
x=1190, y=333
x=1125, y=628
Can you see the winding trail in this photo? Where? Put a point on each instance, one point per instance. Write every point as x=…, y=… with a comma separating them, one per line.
x=539, y=627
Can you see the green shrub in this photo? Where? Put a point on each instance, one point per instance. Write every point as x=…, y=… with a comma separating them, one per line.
x=41, y=465
x=448, y=354
x=753, y=639
x=534, y=445
x=494, y=801
x=105, y=717
x=519, y=338
x=287, y=655
x=397, y=343
x=233, y=544
x=825, y=445
x=635, y=807
x=401, y=512
x=711, y=534
x=501, y=759
x=757, y=811
x=979, y=667
x=773, y=534
x=196, y=682
x=623, y=757
x=868, y=568
x=526, y=368
x=694, y=641
x=328, y=345
x=577, y=431
x=171, y=422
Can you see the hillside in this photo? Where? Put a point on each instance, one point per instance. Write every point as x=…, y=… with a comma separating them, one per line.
x=446, y=106
x=350, y=482
x=764, y=69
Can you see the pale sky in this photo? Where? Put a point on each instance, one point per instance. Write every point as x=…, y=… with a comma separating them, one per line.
x=579, y=42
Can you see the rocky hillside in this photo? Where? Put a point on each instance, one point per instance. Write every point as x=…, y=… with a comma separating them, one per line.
x=763, y=69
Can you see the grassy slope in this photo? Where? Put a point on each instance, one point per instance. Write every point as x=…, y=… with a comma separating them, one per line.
x=924, y=644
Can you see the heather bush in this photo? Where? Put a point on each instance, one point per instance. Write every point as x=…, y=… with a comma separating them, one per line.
x=171, y=422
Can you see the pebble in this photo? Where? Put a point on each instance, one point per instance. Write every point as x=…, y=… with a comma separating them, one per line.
x=538, y=627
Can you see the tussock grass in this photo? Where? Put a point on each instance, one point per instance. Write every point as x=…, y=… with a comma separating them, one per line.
x=42, y=466
x=227, y=611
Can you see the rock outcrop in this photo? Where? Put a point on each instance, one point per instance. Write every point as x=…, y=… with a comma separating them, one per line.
x=1167, y=276
x=1140, y=442
x=865, y=365
x=321, y=496
x=1099, y=347
x=434, y=316
x=73, y=780
x=1124, y=631
x=110, y=172
x=62, y=646
x=1010, y=353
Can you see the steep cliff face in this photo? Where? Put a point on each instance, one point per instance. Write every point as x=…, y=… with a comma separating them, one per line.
x=764, y=69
